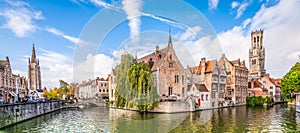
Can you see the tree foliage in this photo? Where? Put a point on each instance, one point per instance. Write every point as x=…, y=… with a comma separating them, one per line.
x=122, y=95
x=64, y=89
x=258, y=101
x=135, y=85
x=141, y=83
x=291, y=81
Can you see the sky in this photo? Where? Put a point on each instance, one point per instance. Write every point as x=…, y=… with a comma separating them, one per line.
x=80, y=39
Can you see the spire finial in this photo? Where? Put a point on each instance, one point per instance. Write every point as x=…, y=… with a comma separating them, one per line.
x=170, y=38
x=33, y=56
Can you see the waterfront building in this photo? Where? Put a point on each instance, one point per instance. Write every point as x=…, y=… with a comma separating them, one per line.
x=200, y=95
x=236, y=81
x=112, y=85
x=21, y=87
x=13, y=88
x=273, y=86
x=257, y=55
x=34, y=74
x=6, y=81
x=87, y=89
x=212, y=74
x=102, y=87
x=255, y=88
x=169, y=76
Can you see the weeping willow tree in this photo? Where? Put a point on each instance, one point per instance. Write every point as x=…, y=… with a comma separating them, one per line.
x=135, y=85
x=123, y=91
x=141, y=83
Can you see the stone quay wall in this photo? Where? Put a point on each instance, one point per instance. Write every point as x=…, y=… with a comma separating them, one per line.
x=14, y=113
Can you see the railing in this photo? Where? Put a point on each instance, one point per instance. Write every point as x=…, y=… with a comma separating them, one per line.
x=13, y=113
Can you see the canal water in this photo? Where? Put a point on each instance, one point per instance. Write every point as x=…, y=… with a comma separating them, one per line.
x=279, y=118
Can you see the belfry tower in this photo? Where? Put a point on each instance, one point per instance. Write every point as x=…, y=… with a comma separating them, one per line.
x=257, y=55
x=34, y=73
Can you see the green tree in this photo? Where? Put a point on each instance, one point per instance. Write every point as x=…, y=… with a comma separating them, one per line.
x=291, y=81
x=64, y=88
x=123, y=93
x=142, y=90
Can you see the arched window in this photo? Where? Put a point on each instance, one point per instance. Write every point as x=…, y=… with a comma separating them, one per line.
x=257, y=39
x=254, y=39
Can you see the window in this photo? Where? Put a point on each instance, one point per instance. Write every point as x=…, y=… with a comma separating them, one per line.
x=101, y=85
x=206, y=97
x=254, y=39
x=271, y=93
x=229, y=93
x=176, y=79
x=182, y=78
x=264, y=82
x=170, y=65
x=220, y=95
x=202, y=97
x=106, y=90
x=213, y=95
x=271, y=87
x=214, y=86
x=182, y=91
x=99, y=90
x=213, y=104
x=170, y=56
x=170, y=90
x=112, y=93
x=254, y=61
x=257, y=39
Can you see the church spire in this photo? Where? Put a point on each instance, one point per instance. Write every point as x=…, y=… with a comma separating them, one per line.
x=170, y=38
x=33, y=57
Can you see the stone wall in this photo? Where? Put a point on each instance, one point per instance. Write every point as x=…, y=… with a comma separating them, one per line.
x=14, y=113
x=172, y=107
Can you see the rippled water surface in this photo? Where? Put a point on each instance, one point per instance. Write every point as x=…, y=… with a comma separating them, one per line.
x=279, y=118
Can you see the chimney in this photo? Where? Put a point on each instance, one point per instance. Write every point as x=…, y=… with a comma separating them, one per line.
x=223, y=55
x=156, y=49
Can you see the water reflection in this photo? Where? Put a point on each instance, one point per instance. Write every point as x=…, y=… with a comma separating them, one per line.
x=279, y=118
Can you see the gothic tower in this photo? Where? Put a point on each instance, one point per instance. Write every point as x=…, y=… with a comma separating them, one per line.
x=257, y=55
x=34, y=73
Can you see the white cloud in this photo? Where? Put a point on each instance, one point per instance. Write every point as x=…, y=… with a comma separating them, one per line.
x=234, y=4
x=104, y=4
x=294, y=56
x=69, y=38
x=133, y=9
x=98, y=65
x=241, y=9
x=55, y=66
x=20, y=18
x=213, y=4
x=281, y=36
x=190, y=33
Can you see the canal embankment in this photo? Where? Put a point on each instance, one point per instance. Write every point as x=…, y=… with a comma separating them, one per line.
x=11, y=114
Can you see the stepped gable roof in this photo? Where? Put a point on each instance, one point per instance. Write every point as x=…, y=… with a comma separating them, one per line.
x=157, y=57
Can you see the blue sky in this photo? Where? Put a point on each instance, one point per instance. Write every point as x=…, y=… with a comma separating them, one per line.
x=55, y=26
